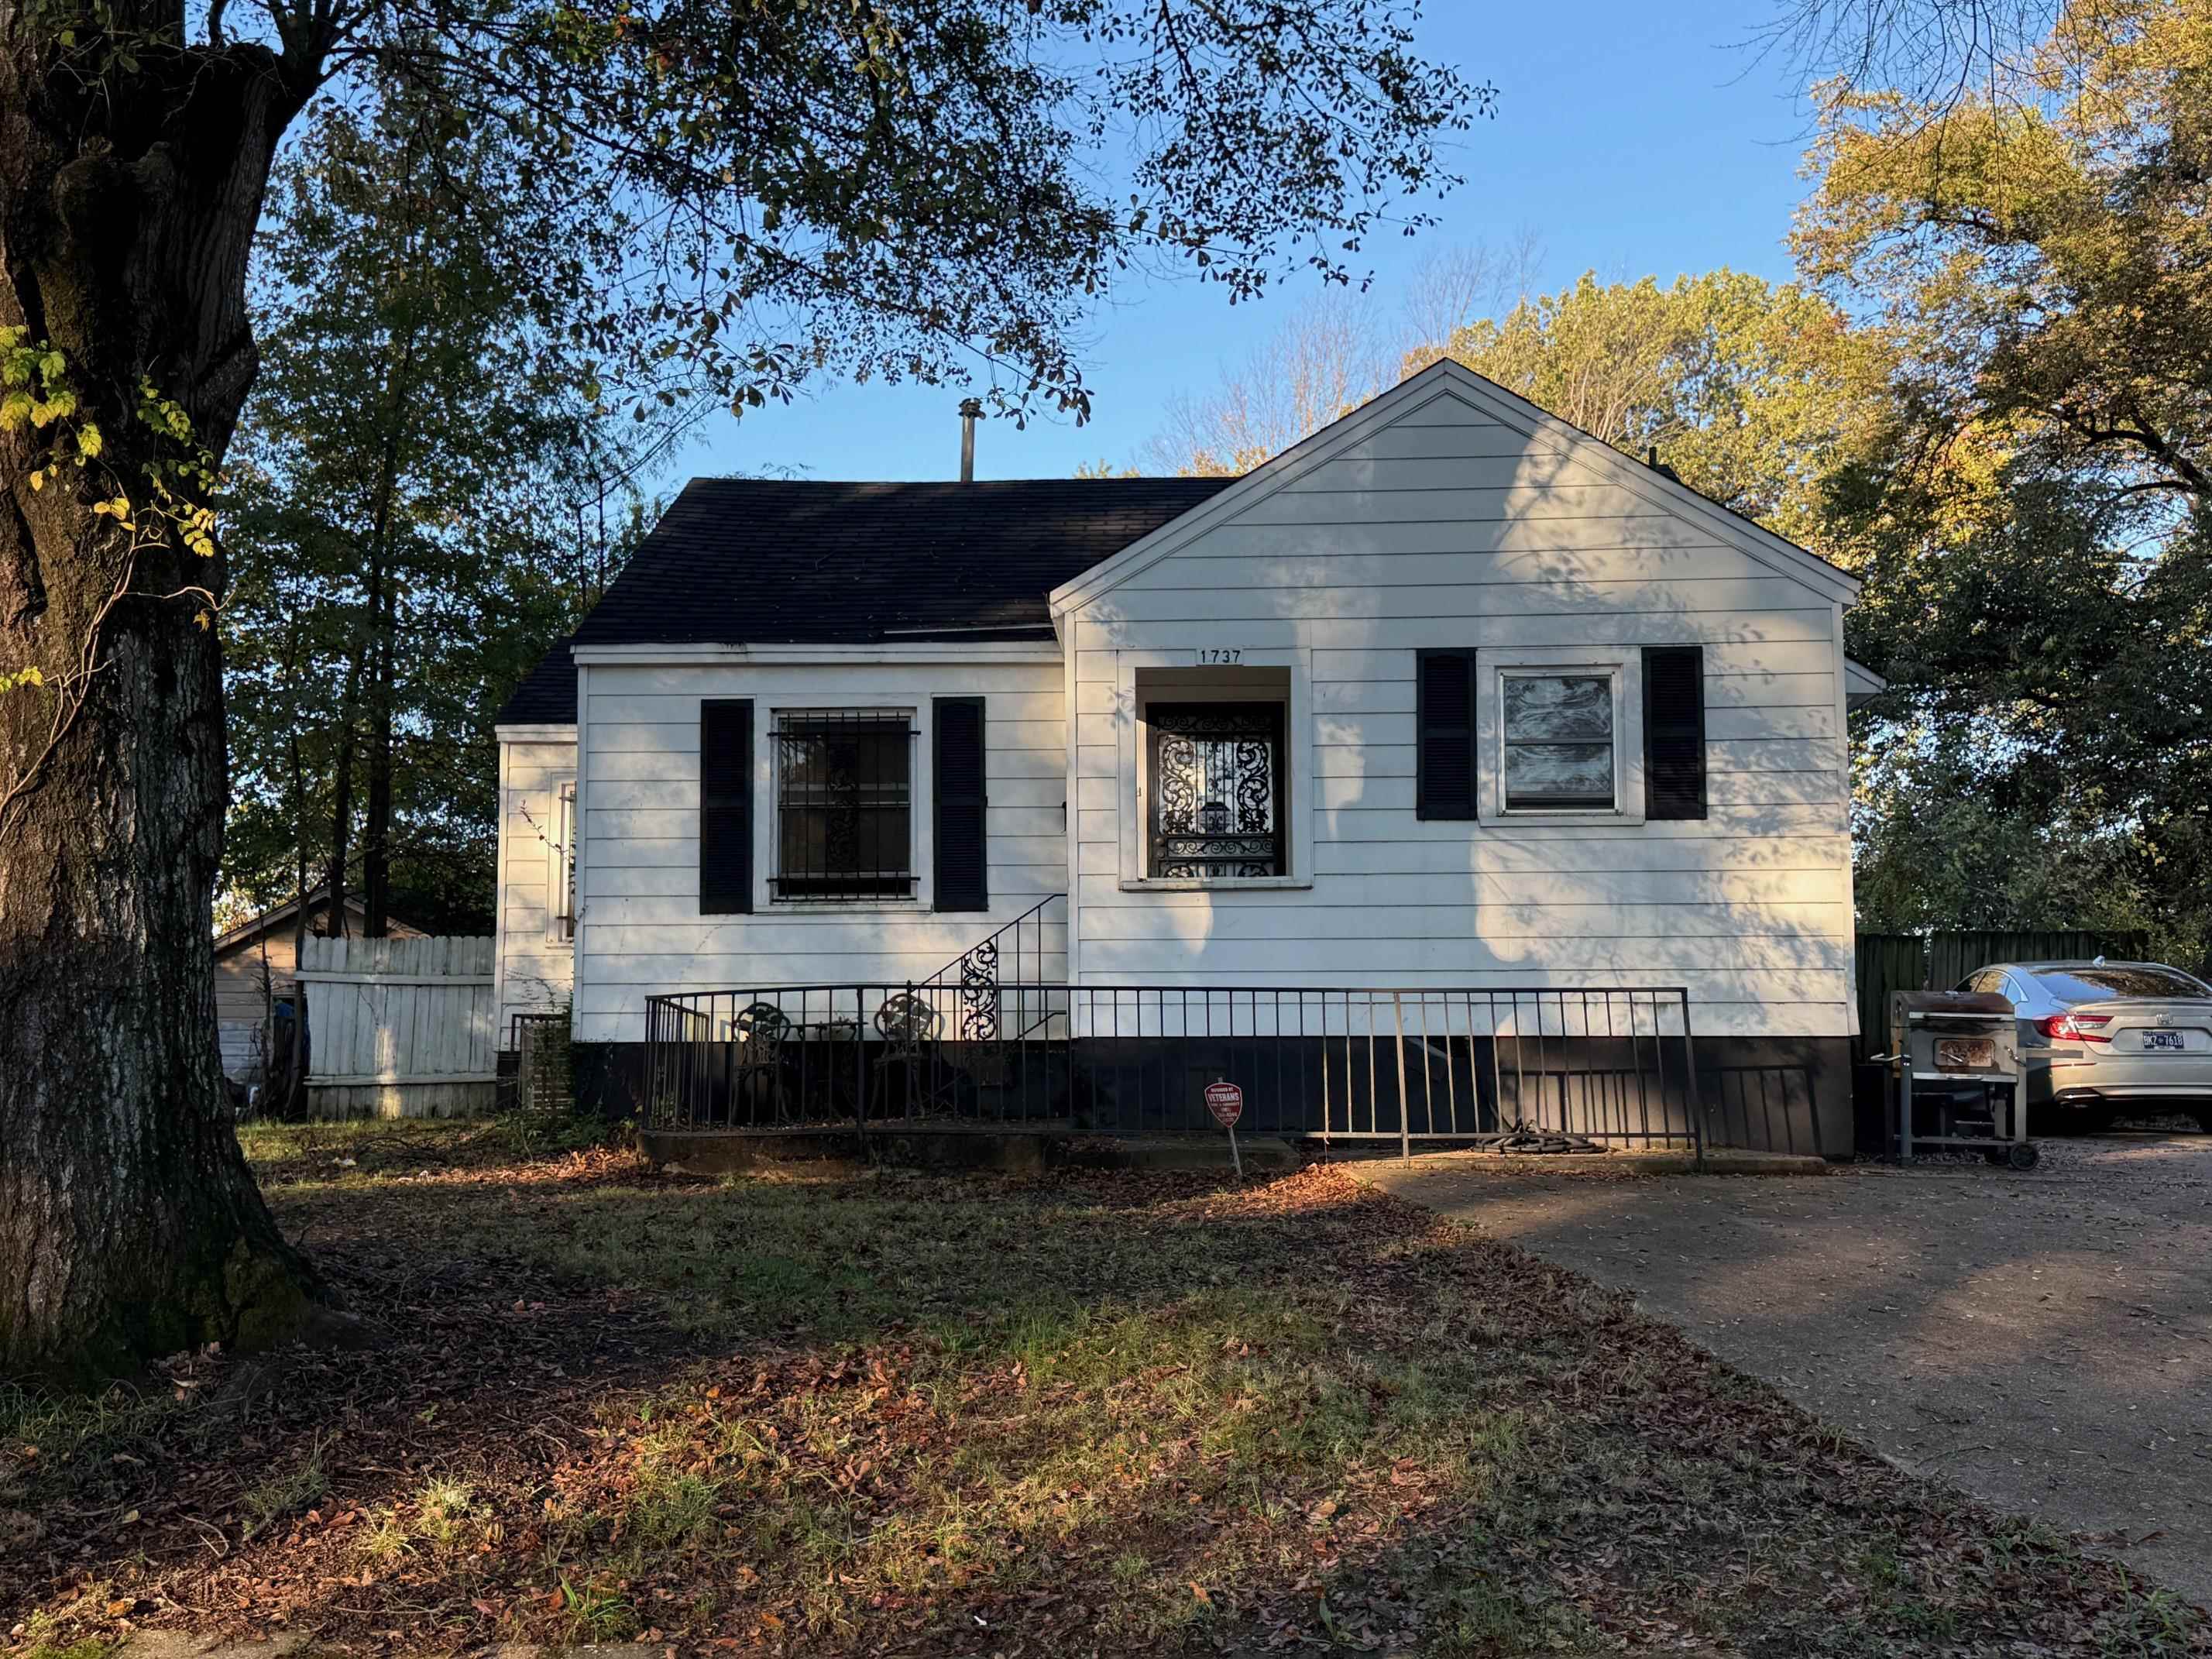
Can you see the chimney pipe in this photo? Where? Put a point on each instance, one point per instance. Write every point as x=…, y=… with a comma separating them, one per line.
x=969, y=408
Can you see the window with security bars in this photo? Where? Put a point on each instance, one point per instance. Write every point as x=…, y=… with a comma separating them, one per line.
x=844, y=804
x=1218, y=807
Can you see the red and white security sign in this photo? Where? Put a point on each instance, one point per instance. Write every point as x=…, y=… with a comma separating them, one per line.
x=1226, y=1102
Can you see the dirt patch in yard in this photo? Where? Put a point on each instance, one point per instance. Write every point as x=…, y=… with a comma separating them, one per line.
x=1112, y=1414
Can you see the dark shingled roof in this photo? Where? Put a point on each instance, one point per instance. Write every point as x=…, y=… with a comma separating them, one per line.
x=760, y=562
x=769, y=561
x=548, y=696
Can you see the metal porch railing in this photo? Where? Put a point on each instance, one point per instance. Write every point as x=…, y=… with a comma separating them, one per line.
x=1019, y=956
x=1616, y=1064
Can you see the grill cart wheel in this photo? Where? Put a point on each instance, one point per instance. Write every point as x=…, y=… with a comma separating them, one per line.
x=2022, y=1155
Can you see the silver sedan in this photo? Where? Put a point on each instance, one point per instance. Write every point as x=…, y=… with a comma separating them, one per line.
x=2099, y=1038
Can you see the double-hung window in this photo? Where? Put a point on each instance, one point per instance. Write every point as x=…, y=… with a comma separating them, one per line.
x=844, y=804
x=1558, y=749
x=1556, y=733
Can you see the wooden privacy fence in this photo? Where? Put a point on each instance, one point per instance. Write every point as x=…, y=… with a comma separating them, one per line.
x=399, y=1027
x=1937, y=961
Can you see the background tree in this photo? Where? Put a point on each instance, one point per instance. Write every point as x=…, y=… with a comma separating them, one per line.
x=1934, y=51
x=1332, y=355
x=2032, y=248
x=1324, y=362
x=908, y=188
x=424, y=506
x=2044, y=261
x=1752, y=392
x=1452, y=285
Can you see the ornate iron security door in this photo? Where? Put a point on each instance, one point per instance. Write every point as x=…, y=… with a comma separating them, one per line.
x=1217, y=787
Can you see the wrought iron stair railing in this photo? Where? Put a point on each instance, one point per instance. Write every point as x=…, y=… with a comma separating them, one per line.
x=1014, y=959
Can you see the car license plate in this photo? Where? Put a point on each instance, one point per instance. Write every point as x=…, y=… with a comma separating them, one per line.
x=2164, y=1040
x=1966, y=1053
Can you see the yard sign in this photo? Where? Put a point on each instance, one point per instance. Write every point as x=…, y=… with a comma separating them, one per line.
x=1226, y=1102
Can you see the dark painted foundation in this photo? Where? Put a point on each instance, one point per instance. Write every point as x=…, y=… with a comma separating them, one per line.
x=1758, y=1094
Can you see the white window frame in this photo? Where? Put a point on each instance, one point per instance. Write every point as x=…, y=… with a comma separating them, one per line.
x=560, y=865
x=1190, y=682
x=1623, y=666
x=768, y=816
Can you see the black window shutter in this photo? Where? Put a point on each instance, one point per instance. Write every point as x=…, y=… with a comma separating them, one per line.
x=963, y=853
x=726, y=807
x=1443, y=720
x=1674, y=732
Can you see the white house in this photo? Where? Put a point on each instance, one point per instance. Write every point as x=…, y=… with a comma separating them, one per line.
x=1449, y=696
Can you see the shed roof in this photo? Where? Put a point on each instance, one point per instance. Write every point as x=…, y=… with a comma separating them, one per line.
x=247, y=932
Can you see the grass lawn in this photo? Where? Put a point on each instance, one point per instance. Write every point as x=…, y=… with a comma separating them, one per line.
x=896, y=1413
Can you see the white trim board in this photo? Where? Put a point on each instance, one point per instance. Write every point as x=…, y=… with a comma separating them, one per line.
x=1446, y=378
x=1132, y=784
x=931, y=651
x=535, y=733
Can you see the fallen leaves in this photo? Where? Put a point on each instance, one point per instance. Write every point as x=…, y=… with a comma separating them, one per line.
x=948, y=1414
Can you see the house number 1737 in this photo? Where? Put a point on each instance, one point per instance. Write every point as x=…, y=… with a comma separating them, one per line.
x=1220, y=653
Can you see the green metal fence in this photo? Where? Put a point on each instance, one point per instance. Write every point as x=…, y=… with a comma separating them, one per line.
x=1937, y=961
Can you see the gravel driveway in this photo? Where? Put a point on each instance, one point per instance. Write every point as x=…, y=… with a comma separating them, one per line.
x=2043, y=1340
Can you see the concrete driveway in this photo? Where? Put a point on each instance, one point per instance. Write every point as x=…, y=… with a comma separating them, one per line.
x=2044, y=1341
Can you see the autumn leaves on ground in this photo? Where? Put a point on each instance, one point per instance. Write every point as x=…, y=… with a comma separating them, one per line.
x=840, y=1414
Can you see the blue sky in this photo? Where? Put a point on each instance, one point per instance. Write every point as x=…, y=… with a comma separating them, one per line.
x=1632, y=139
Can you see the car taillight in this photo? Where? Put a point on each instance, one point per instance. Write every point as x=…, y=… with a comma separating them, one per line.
x=2075, y=1028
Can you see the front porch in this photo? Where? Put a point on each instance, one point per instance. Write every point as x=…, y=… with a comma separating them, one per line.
x=1617, y=1065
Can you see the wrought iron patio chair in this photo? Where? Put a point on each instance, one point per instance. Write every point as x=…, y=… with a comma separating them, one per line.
x=762, y=1029
x=909, y=1025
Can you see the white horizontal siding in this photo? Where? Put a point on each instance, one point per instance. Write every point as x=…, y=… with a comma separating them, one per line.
x=1490, y=602
x=1727, y=652
x=643, y=932
x=1482, y=503
x=240, y=1043
x=1267, y=564
x=678, y=819
x=1812, y=625
x=1358, y=667
x=534, y=972
x=1447, y=529
x=1545, y=891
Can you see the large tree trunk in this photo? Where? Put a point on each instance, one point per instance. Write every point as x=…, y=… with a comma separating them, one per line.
x=130, y=1224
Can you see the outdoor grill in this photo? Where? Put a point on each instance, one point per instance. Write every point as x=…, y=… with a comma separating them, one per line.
x=1955, y=1058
